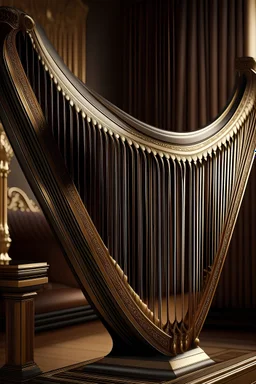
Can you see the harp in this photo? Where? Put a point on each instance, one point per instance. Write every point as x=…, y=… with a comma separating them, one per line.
x=144, y=216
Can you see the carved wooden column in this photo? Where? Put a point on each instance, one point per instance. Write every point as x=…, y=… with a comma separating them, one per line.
x=18, y=285
x=6, y=154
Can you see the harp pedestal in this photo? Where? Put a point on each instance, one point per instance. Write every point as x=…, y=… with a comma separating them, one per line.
x=156, y=368
x=237, y=370
x=18, y=285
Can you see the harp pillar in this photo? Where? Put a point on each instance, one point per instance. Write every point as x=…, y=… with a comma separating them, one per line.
x=18, y=285
x=6, y=154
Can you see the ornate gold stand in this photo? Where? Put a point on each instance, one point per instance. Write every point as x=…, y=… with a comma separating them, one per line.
x=6, y=154
x=18, y=285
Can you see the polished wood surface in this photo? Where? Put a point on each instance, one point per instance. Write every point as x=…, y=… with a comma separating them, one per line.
x=233, y=351
x=71, y=345
x=239, y=370
x=19, y=341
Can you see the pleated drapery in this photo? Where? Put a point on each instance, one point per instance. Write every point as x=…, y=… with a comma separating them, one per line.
x=179, y=60
x=179, y=72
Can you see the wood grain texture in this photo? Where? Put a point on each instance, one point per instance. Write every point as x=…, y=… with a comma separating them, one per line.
x=72, y=345
x=68, y=346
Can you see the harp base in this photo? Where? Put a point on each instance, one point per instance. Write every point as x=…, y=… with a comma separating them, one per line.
x=242, y=368
x=149, y=368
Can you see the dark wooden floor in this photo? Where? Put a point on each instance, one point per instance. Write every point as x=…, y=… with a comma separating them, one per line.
x=66, y=346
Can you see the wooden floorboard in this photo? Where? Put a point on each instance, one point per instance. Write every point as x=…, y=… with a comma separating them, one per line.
x=71, y=345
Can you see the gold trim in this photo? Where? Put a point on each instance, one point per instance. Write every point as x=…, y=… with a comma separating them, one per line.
x=28, y=265
x=29, y=23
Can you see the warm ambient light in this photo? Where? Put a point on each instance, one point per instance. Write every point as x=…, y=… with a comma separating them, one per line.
x=250, y=28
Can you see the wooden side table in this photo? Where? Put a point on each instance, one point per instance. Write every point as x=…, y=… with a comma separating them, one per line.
x=19, y=282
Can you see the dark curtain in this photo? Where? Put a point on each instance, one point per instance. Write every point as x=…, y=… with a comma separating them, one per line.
x=179, y=73
x=179, y=59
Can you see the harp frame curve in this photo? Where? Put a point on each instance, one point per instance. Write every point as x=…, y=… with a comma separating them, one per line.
x=189, y=146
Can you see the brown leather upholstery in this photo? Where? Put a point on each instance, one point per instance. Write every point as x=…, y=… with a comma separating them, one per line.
x=56, y=297
x=32, y=240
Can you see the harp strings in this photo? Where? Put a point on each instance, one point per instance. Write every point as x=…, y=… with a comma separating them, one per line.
x=160, y=217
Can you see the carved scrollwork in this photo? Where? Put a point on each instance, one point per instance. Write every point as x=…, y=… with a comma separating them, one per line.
x=19, y=200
